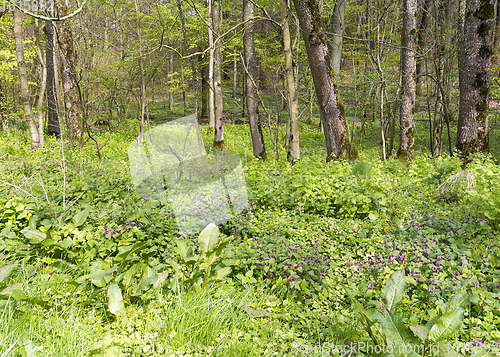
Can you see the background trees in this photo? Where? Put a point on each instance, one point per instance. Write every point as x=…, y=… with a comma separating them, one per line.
x=141, y=59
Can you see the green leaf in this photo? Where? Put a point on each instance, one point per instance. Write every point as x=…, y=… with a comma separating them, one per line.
x=394, y=290
x=420, y=331
x=129, y=274
x=115, y=299
x=5, y=271
x=33, y=236
x=208, y=238
x=96, y=274
x=137, y=247
x=14, y=291
x=447, y=325
x=397, y=334
x=255, y=312
x=81, y=216
x=222, y=273
x=455, y=301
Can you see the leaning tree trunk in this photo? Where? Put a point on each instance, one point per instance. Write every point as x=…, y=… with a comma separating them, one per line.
x=477, y=52
x=53, y=123
x=72, y=102
x=23, y=79
x=293, y=103
x=408, y=68
x=337, y=23
x=250, y=61
x=219, y=133
x=331, y=108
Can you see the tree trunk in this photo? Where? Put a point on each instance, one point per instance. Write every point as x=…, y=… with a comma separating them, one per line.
x=170, y=81
x=205, y=87
x=472, y=133
x=142, y=98
x=218, y=100
x=23, y=79
x=331, y=108
x=293, y=103
x=211, y=103
x=3, y=111
x=408, y=68
x=422, y=27
x=337, y=24
x=53, y=122
x=43, y=84
x=72, y=103
x=250, y=62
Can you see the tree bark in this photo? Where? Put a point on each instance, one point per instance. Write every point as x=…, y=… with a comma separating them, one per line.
x=472, y=133
x=337, y=24
x=331, y=107
x=170, y=81
x=43, y=84
x=408, y=68
x=218, y=100
x=422, y=27
x=211, y=103
x=250, y=61
x=23, y=79
x=72, y=102
x=53, y=121
x=142, y=98
x=3, y=111
x=293, y=103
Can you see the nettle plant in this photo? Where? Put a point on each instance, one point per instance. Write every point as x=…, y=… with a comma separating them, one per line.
x=385, y=325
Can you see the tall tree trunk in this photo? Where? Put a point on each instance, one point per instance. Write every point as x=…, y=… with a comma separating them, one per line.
x=72, y=102
x=472, y=133
x=211, y=103
x=422, y=27
x=408, y=67
x=205, y=87
x=293, y=103
x=170, y=81
x=53, y=121
x=235, y=75
x=219, y=131
x=23, y=79
x=337, y=24
x=250, y=62
x=43, y=84
x=331, y=108
x=142, y=98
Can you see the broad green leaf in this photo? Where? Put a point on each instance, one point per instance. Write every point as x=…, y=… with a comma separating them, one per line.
x=255, y=312
x=28, y=347
x=129, y=274
x=420, y=331
x=81, y=216
x=208, y=238
x=14, y=291
x=137, y=247
x=5, y=271
x=373, y=315
x=33, y=236
x=115, y=299
x=96, y=274
x=181, y=248
x=447, y=325
x=455, y=301
x=432, y=321
x=160, y=280
x=222, y=273
x=397, y=334
x=394, y=290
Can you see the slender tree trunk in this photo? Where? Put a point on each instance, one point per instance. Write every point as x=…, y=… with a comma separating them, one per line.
x=72, y=102
x=23, y=79
x=472, y=133
x=337, y=24
x=219, y=132
x=293, y=103
x=53, y=121
x=170, y=81
x=3, y=111
x=250, y=62
x=205, y=87
x=422, y=27
x=235, y=75
x=43, y=84
x=331, y=107
x=408, y=67
x=211, y=102
x=142, y=98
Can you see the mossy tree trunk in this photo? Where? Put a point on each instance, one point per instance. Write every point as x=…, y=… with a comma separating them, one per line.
x=408, y=86
x=250, y=61
x=218, y=100
x=325, y=83
x=477, y=52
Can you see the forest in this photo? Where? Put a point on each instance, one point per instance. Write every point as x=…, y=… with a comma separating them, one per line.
x=250, y=178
